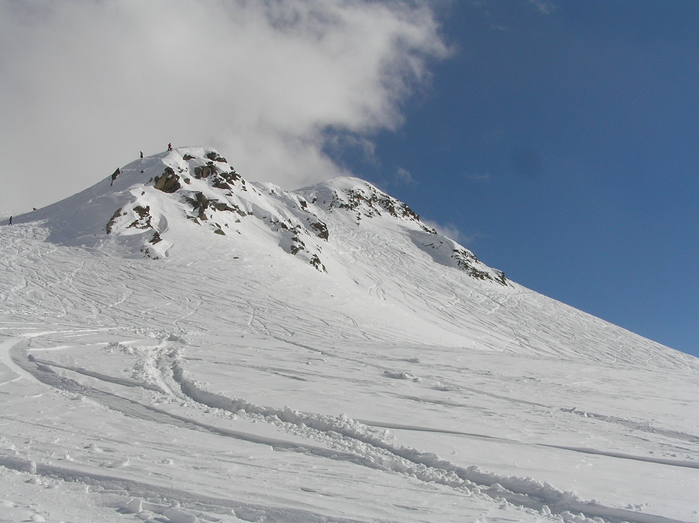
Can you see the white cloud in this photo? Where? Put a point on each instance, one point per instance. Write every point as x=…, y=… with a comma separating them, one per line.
x=88, y=83
x=404, y=177
x=478, y=177
x=545, y=7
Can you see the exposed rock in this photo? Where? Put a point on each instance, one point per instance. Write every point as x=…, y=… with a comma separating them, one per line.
x=220, y=190
x=220, y=183
x=297, y=245
x=142, y=211
x=315, y=261
x=199, y=204
x=500, y=278
x=215, y=157
x=168, y=182
x=232, y=176
x=322, y=229
x=112, y=220
x=204, y=171
x=146, y=252
x=144, y=220
x=372, y=204
x=397, y=208
x=466, y=261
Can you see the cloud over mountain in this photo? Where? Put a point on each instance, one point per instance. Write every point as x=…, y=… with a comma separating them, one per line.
x=271, y=82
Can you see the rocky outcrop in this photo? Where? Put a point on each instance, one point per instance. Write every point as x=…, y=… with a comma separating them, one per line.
x=200, y=203
x=315, y=261
x=168, y=182
x=112, y=220
x=204, y=171
x=214, y=156
x=208, y=191
x=467, y=261
x=321, y=229
x=144, y=218
x=370, y=202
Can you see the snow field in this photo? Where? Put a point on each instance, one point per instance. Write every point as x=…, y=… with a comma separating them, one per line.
x=231, y=380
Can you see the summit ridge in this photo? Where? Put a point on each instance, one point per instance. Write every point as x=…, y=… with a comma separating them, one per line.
x=152, y=204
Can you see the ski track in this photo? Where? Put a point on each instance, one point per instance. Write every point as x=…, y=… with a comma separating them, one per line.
x=354, y=441
x=643, y=427
x=591, y=451
x=195, y=505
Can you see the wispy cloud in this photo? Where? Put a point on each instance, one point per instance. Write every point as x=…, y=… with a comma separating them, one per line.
x=478, y=177
x=88, y=83
x=501, y=28
x=404, y=177
x=545, y=7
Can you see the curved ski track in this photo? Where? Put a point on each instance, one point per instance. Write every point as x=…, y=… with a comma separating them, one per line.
x=343, y=439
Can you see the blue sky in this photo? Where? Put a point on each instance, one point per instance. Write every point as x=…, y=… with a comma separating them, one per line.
x=563, y=144
x=557, y=139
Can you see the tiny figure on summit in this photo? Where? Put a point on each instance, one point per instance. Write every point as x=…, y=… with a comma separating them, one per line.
x=169, y=147
x=10, y=221
x=141, y=154
x=114, y=175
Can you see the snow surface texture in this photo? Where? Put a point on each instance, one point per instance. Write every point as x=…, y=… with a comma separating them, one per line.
x=180, y=345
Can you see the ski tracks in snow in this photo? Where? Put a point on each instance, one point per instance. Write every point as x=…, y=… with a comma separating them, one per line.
x=163, y=370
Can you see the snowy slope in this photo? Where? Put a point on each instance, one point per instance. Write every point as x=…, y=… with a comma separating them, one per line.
x=178, y=344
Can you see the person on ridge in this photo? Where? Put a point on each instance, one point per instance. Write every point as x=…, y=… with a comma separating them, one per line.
x=169, y=147
x=10, y=221
x=141, y=154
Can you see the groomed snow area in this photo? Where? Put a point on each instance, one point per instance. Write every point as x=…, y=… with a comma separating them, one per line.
x=228, y=377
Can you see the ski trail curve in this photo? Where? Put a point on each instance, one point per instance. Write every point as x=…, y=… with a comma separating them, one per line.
x=349, y=440
x=425, y=466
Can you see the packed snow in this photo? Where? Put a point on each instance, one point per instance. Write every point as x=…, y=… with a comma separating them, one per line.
x=180, y=345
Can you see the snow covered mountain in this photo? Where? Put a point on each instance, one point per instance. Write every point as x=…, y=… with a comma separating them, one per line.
x=151, y=199
x=180, y=344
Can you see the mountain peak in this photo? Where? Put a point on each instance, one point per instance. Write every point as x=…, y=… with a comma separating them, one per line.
x=360, y=198
x=156, y=205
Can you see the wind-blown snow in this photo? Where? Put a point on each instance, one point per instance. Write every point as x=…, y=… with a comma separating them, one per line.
x=178, y=344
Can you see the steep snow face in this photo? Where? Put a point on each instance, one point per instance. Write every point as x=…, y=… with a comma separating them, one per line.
x=351, y=200
x=234, y=379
